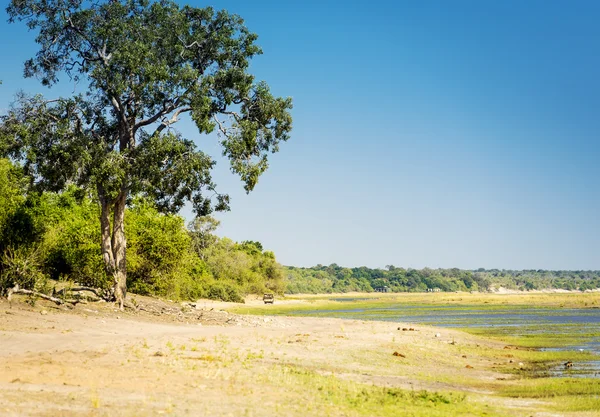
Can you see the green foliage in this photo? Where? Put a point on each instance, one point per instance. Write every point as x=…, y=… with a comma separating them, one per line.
x=251, y=269
x=11, y=192
x=70, y=241
x=201, y=232
x=55, y=236
x=161, y=260
x=61, y=229
x=225, y=291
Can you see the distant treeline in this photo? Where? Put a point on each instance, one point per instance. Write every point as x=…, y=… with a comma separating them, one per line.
x=334, y=278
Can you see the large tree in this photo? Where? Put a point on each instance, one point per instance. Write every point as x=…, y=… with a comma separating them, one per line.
x=142, y=65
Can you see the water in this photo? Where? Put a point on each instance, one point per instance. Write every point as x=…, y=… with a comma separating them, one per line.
x=589, y=369
x=510, y=320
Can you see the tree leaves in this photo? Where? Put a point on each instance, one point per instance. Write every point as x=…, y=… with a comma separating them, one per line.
x=169, y=170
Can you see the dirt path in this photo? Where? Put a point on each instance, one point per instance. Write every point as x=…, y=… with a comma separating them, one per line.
x=95, y=361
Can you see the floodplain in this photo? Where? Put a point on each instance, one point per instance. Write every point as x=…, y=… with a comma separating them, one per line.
x=93, y=360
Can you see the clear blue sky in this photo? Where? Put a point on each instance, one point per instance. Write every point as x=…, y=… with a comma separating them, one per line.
x=426, y=133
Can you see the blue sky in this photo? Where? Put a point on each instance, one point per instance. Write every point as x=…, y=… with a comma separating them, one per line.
x=426, y=133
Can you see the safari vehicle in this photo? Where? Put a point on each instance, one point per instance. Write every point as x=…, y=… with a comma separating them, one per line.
x=269, y=298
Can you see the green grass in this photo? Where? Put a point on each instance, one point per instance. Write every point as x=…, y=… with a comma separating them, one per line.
x=566, y=394
x=578, y=403
x=490, y=302
x=535, y=336
x=554, y=387
x=331, y=395
x=539, y=357
x=464, y=311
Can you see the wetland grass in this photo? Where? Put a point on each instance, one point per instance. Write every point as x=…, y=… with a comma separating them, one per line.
x=539, y=299
x=538, y=336
x=553, y=387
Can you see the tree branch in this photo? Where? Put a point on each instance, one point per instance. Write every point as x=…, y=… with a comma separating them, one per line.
x=222, y=128
x=166, y=110
x=150, y=120
x=172, y=120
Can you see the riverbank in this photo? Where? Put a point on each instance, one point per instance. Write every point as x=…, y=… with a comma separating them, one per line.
x=198, y=360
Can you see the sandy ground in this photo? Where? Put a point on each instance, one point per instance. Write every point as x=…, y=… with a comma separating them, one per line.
x=164, y=360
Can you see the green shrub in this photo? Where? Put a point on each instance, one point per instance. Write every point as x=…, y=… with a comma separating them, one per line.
x=21, y=267
x=160, y=257
x=71, y=244
x=11, y=196
x=224, y=291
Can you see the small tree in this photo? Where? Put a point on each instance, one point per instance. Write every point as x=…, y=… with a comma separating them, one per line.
x=143, y=64
x=201, y=231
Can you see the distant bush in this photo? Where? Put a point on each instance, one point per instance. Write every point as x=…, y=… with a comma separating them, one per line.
x=246, y=266
x=224, y=291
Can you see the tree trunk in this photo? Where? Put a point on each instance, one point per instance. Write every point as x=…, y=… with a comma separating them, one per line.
x=119, y=245
x=107, y=252
x=114, y=244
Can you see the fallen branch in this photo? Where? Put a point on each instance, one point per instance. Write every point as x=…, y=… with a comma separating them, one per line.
x=94, y=291
x=59, y=301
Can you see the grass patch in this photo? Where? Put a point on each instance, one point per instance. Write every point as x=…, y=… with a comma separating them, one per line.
x=390, y=303
x=536, y=336
x=578, y=403
x=344, y=397
x=554, y=387
x=535, y=356
x=568, y=394
x=557, y=300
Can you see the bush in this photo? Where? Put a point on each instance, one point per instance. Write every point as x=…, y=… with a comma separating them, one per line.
x=71, y=244
x=21, y=267
x=224, y=291
x=11, y=196
x=160, y=257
